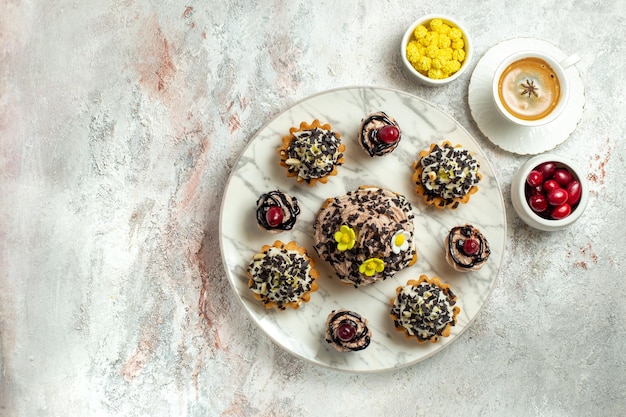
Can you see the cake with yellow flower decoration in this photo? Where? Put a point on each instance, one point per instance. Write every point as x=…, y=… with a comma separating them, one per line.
x=312, y=152
x=366, y=235
x=282, y=275
x=424, y=309
x=446, y=175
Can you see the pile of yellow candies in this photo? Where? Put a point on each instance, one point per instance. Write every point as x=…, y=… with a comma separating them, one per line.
x=436, y=49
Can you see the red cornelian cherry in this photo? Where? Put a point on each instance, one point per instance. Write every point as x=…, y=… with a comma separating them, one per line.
x=547, y=169
x=274, y=216
x=561, y=212
x=574, y=191
x=388, y=134
x=346, y=331
x=534, y=178
x=557, y=197
x=550, y=185
x=562, y=176
x=538, y=203
x=470, y=246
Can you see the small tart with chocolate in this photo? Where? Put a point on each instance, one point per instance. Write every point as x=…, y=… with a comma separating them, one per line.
x=312, y=152
x=424, y=309
x=379, y=134
x=276, y=211
x=282, y=275
x=366, y=235
x=347, y=331
x=446, y=175
x=467, y=248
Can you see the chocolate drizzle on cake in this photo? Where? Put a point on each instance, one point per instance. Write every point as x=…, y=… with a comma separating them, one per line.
x=459, y=256
x=368, y=134
x=347, y=331
x=286, y=203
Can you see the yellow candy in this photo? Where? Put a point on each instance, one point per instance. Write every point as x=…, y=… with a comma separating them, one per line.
x=436, y=49
x=458, y=55
x=413, y=51
x=420, y=31
x=458, y=44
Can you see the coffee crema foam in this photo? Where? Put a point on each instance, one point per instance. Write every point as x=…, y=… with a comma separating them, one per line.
x=529, y=89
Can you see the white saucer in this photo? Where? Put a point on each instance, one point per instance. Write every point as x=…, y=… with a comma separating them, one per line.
x=505, y=134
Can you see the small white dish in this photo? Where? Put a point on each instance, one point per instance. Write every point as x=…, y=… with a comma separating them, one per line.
x=508, y=136
x=519, y=198
x=424, y=80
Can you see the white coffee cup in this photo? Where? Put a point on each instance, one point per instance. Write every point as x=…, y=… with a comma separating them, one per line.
x=525, y=91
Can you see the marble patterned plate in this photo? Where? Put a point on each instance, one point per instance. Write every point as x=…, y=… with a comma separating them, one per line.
x=257, y=171
x=505, y=134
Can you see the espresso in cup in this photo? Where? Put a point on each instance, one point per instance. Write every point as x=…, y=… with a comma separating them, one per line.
x=529, y=88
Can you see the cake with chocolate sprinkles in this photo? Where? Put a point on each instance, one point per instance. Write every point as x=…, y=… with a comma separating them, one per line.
x=379, y=134
x=424, y=309
x=467, y=249
x=446, y=175
x=347, y=331
x=276, y=211
x=366, y=235
x=282, y=275
x=312, y=152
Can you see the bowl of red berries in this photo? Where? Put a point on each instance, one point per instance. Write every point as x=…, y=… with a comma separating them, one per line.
x=549, y=192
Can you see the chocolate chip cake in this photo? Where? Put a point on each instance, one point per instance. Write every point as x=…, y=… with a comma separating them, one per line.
x=446, y=175
x=312, y=152
x=282, y=275
x=424, y=309
x=366, y=235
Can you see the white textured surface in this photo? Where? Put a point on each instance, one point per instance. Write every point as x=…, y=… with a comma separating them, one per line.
x=119, y=124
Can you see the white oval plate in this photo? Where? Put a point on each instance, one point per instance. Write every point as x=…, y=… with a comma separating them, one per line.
x=257, y=171
x=505, y=134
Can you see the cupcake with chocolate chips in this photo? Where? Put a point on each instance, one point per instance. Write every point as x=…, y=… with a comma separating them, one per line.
x=424, y=309
x=446, y=175
x=276, y=211
x=282, y=275
x=366, y=235
x=379, y=134
x=347, y=331
x=312, y=152
x=467, y=248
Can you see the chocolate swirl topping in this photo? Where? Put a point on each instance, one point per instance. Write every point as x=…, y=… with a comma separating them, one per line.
x=347, y=331
x=456, y=239
x=368, y=135
x=288, y=205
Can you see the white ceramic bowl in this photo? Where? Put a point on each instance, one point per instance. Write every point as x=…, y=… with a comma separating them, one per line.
x=408, y=35
x=520, y=201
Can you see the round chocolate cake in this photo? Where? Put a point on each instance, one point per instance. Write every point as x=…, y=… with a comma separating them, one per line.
x=366, y=235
